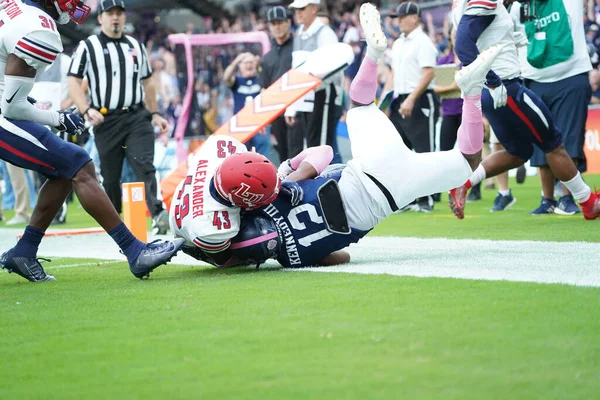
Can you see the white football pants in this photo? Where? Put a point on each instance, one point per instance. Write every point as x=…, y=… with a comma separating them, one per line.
x=378, y=150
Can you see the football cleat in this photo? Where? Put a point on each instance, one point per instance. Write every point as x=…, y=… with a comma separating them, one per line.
x=456, y=200
x=370, y=20
x=566, y=206
x=547, y=206
x=591, y=207
x=474, y=193
x=471, y=78
x=29, y=268
x=502, y=203
x=154, y=255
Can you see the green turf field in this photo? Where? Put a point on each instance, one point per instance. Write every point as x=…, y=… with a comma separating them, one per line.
x=203, y=333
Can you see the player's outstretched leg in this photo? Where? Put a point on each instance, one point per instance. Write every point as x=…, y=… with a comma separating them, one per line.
x=143, y=257
x=364, y=86
x=470, y=134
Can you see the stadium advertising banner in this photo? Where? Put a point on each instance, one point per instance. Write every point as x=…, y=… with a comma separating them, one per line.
x=592, y=141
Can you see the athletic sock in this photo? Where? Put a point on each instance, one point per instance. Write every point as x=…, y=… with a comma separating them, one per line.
x=478, y=176
x=504, y=192
x=364, y=85
x=29, y=243
x=578, y=188
x=128, y=243
x=470, y=132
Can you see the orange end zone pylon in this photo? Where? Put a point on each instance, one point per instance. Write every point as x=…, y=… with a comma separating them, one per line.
x=134, y=209
x=251, y=119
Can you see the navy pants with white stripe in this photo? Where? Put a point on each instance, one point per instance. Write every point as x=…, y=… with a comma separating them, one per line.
x=32, y=146
x=523, y=122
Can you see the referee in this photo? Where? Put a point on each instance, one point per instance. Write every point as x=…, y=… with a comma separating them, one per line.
x=415, y=110
x=118, y=71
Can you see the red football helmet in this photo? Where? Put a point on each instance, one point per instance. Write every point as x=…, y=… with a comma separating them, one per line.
x=248, y=180
x=73, y=10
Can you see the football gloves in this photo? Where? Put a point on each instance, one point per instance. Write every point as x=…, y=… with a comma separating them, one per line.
x=285, y=169
x=70, y=122
x=293, y=191
x=499, y=95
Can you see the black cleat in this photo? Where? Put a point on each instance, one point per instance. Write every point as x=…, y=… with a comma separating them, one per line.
x=154, y=255
x=29, y=268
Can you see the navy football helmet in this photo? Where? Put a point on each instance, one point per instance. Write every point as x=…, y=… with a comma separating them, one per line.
x=257, y=240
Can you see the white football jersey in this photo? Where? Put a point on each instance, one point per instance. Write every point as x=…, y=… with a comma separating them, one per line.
x=196, y=214
x=29, y=33
x=500, y=31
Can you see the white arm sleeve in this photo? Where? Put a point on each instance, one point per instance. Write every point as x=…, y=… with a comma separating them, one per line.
x=15, y=105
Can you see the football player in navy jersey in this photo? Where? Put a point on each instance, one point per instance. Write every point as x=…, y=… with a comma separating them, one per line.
x=327, y=208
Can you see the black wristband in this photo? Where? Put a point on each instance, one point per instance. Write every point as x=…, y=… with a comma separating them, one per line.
x=154, y=113
x=86, y=111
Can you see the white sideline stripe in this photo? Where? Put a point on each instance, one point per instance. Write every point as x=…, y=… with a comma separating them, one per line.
x=572, y=263
x=89, y=264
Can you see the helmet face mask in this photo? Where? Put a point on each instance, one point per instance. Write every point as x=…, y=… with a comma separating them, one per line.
x=247, y=180
x=72, y=10
x=258, y=239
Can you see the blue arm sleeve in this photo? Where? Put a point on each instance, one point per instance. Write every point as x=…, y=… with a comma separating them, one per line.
x=469, y=29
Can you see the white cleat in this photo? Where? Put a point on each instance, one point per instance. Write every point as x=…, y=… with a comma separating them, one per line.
x=471, y=78
x=370, y=20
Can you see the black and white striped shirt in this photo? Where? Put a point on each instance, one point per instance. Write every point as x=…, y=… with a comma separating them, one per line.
x=115, y=69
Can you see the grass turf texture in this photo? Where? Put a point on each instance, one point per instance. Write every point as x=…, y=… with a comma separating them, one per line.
x=206, y=333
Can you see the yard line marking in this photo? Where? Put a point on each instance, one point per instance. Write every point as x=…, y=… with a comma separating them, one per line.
x=89, y=264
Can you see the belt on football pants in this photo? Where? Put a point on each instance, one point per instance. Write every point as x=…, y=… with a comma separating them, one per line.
x=385, y=192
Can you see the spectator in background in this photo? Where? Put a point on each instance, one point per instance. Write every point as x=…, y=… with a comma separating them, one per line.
x=595, y=85
x=313, y=118
x=451, y=107
x=560, y=79
x=245, y=87
x=593, y=41
x=276, y=63
x=415, y=110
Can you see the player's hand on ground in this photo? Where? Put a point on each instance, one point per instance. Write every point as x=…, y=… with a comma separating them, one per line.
x=293, y=191
x=161, y=123
x=291, y=121
x=70, y=122
x=499, y=95
x=94, y=117
x=406, y=108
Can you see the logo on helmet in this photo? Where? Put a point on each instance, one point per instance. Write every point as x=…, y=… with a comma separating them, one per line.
x=272, y=244
x=249, y=198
